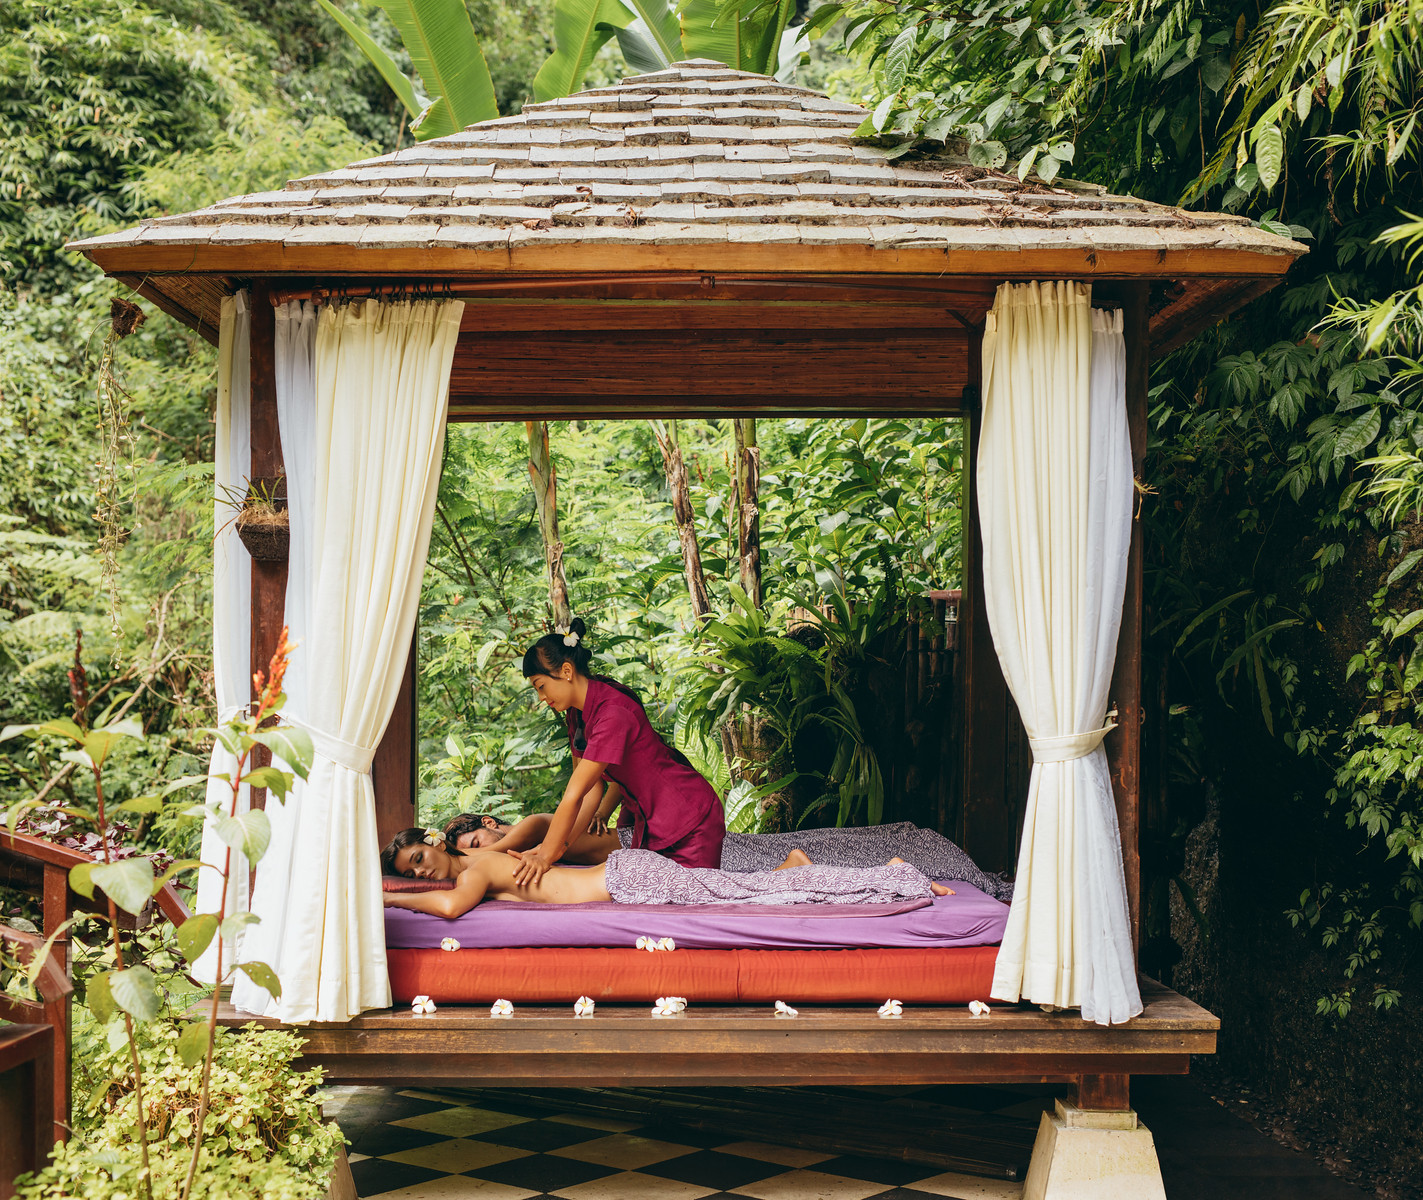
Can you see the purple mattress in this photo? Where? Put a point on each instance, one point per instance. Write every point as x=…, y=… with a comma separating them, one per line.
x=968, y=918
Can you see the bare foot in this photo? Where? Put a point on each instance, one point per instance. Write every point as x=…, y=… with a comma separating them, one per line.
x=796, y=858
x=940, y=890
x=895, y=862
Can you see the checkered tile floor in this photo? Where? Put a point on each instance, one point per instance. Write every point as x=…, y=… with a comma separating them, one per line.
x=437, y=1145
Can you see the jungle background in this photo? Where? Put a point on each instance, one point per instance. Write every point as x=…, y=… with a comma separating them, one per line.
x=1282, y=845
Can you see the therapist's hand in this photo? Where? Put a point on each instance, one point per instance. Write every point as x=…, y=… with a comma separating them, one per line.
x=531, y=868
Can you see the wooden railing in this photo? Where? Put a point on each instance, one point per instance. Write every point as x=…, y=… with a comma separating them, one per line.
x=34, y=1053
x=41, y=869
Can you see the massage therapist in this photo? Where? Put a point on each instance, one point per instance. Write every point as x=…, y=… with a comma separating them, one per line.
x=669, y=806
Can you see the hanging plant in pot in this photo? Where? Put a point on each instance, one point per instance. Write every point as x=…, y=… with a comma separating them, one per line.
x=262, y=520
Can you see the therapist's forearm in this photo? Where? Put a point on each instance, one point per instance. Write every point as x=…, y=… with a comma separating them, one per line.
x=585, y=776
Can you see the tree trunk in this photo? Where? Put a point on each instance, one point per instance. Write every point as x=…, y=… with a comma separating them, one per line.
x=748, y=527
x=544, y=479
x=666, y=434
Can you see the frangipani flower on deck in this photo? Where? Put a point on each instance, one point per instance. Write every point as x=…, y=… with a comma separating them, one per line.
x=785, y=1010
x=501, y=1008
x=978, y=1008
x=891, y=1008
x=433, y=837
x=422, y=1005
x=668, y=1006
x=583, y=1006
x=449, y=944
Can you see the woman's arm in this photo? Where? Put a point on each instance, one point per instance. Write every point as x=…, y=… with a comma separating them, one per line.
x=529, y=832
x=612, y=797
x=468, y=891
x=574, y=811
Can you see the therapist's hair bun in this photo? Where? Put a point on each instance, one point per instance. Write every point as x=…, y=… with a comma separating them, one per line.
x=547, y=655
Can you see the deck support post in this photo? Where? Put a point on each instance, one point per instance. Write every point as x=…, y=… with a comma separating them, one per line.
x=1092, y=1147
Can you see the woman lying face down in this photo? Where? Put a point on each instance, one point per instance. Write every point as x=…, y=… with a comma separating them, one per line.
x=632, y=877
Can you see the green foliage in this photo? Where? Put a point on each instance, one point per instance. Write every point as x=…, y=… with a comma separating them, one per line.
x=443, y=47
x=652, y=34
x=485, y=599
x=273, y=1142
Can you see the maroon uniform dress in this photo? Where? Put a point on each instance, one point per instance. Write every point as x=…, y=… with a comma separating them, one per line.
x=669, y=806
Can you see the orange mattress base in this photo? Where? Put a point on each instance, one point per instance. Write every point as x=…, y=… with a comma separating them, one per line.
x=559, y=975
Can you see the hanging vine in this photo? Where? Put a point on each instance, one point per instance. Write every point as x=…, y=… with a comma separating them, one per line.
x=117, y=481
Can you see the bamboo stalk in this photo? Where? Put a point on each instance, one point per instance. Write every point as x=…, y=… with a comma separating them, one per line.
x=748, y=482
x=544, y=478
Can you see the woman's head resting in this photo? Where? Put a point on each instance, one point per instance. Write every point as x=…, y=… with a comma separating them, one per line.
x=420, y=854
x=556, y=666
x=474, y=831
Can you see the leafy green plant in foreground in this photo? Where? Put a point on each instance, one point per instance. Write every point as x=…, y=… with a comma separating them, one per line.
x=271, y=1143
x=131, y=991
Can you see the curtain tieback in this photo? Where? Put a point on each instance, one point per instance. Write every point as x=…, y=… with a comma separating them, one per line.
x=333, y=749
x=1069, y=746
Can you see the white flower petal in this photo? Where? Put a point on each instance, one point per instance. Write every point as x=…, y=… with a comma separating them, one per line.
x=978, y=1008
x=891, y=1008
x=785, y=1010
x=449, y=944
x=501, y=1008
x=666, y=944
x=583, y=1006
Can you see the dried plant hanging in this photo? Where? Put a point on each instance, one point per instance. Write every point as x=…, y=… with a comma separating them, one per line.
x=117, y=482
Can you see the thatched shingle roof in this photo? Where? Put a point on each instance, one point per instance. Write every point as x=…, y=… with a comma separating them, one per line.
x=696, y=168
x=697, y=154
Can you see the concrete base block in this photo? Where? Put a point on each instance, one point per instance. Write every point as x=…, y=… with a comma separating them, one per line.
x=1093, y=1155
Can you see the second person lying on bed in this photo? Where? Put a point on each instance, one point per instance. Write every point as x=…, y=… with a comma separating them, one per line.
x=631, y=877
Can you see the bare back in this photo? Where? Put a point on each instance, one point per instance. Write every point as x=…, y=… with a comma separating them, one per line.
x=559, y=885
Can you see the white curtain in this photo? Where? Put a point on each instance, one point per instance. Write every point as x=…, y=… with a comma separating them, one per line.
x=362, y=411
x=231, y=609
x=1055, y=499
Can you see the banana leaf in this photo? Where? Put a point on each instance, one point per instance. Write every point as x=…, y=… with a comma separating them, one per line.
x=397, y=79
x=745, y=34
x=662, y=27
x=580, y=28
x=641, y=51
x=446, y=53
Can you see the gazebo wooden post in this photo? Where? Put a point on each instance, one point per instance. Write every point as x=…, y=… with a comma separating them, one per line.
x=393, y=771
x=1124, y=743
x=269, y=579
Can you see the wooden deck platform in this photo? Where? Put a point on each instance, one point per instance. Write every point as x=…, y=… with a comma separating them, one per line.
x=709, y=1046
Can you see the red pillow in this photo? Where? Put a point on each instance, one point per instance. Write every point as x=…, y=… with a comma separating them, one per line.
x=399, y=883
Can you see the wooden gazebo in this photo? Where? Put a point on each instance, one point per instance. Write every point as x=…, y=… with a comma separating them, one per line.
x=701, y=241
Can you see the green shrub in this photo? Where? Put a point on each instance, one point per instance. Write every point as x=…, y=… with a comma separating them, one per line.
x=270, y=1144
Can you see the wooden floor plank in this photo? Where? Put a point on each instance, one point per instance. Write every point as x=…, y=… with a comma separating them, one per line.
x=625, y=1045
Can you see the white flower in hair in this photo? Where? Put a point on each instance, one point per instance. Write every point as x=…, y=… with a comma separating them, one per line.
x=501, y=1008
x=433, y=837
x=583, y=1006
x=891, y=1008
x=422, y=1005
x=785, y=1010
x=449, y=944
x=978, y=1008
x=570, y=638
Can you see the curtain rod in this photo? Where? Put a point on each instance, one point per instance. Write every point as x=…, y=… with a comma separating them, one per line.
x=453, y=289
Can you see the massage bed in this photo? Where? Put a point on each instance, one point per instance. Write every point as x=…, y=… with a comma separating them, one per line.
x=938, y=951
